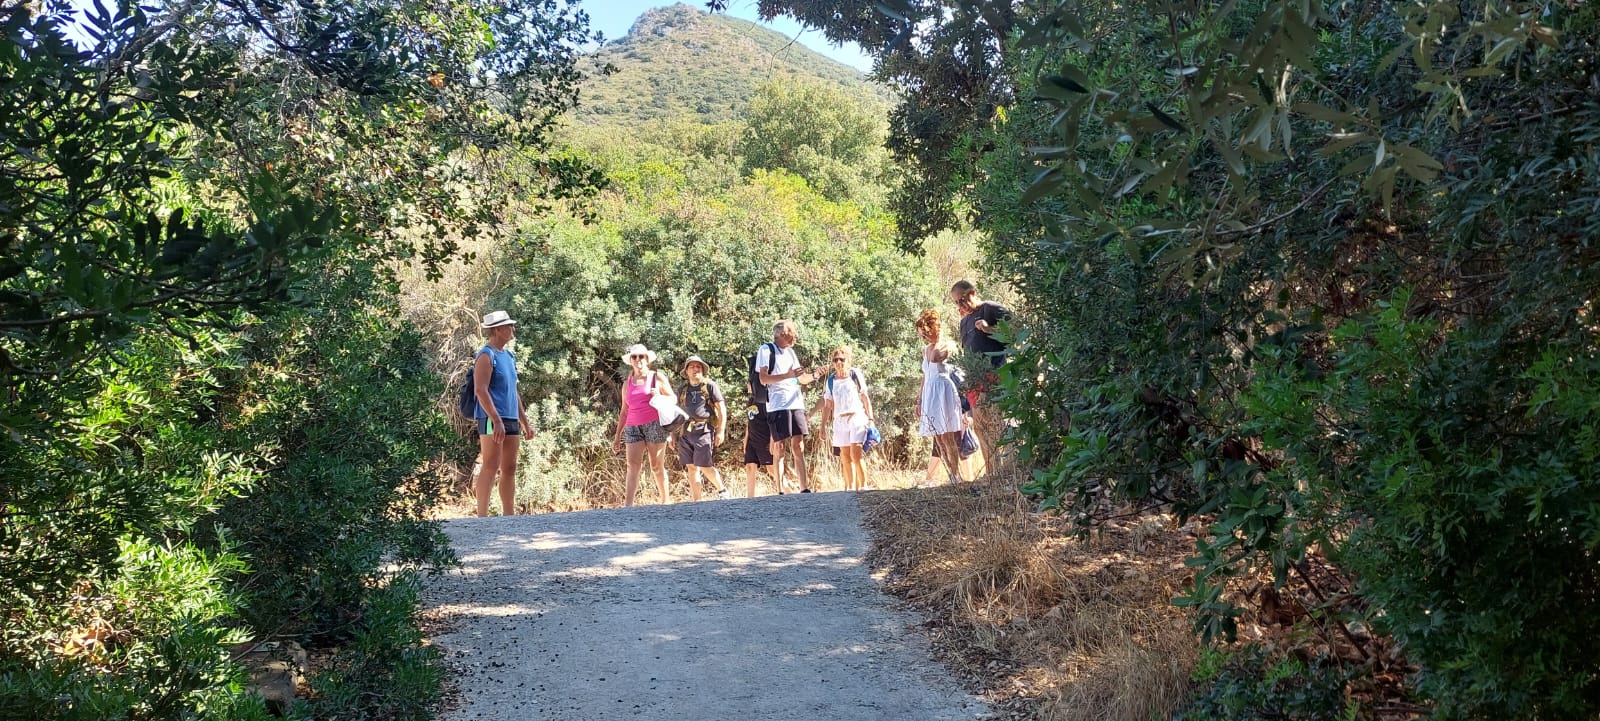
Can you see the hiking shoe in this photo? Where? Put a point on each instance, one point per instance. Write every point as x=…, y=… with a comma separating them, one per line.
x=723, y=494
x=805, y=490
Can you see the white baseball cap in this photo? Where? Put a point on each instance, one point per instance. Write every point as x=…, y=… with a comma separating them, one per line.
x=497, y=318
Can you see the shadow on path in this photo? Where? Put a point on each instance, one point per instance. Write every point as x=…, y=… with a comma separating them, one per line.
x=749, y=609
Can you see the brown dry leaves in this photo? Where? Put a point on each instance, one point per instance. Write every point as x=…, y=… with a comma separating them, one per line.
x=1047, y=626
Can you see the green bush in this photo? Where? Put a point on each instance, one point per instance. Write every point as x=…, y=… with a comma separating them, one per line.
x=1319, y=275
x=384, y=672
x=690, y=271
x=216, y=429
x=1251, y=685
x=262, y=493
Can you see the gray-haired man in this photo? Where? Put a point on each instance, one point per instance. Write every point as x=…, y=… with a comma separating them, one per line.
x=780, y=370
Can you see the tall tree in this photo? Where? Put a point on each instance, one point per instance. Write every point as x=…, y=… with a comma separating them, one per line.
x=946, y=57
x=819, y=132
x=197, y=210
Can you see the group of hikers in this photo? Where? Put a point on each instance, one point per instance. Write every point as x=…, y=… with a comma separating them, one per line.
x=652, y=411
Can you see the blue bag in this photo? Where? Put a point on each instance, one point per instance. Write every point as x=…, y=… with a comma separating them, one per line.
x=874, y=437
x=969, y=443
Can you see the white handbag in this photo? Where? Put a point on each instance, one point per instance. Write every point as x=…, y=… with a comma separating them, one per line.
x=672, y=416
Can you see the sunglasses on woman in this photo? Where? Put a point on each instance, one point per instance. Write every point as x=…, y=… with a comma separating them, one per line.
x=838, y=360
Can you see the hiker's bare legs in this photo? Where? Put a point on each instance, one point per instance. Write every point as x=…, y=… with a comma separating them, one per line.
x=950, y=451
x=635, y=463
x=488, y=467
x=855, y=471
x=656, y=453
x=850, y=467
x=777, y=463
x=692, y=474
x=509, y=450
x=798, y=446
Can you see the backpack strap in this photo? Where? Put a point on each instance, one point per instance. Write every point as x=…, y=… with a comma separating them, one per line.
x=866, y=398
x=854, y=378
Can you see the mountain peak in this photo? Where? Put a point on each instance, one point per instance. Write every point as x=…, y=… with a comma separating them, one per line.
x=661, y=21
x=679, y=61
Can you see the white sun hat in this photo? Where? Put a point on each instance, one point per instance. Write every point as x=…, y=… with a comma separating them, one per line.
x=497, y=318
x=638, y=349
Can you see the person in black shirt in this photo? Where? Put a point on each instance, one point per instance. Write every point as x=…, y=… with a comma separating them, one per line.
x=979, y=319
x=702, y=399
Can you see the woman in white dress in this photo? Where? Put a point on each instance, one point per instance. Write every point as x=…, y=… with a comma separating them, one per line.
x=847, y=407
x=939, y=408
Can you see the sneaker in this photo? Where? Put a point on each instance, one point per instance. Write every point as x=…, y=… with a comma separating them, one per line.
x=805, y=490
x=723, y=494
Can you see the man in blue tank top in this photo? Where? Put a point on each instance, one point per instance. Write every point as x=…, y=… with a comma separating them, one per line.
x=499, y=414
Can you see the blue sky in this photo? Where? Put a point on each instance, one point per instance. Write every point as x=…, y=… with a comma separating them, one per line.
x=614, y=17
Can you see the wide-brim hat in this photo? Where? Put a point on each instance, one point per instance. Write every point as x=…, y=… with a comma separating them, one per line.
x=638, y=349
x=705, y=367
x=497, y=318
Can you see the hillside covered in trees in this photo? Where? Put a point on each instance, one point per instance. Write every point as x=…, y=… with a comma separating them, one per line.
x=680, y=61
x=710, y=227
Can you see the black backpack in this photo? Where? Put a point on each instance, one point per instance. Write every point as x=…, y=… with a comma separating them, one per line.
x=467, y=397
x=705, y=393
x=758, y=390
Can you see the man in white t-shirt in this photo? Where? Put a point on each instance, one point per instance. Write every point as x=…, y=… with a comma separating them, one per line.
x=781, y=372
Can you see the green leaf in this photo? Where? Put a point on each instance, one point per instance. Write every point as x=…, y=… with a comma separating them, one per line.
x=1062, y=82
x=1045, y=183
x=1165, y=119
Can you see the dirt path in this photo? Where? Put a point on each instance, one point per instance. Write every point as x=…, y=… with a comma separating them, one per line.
x=742, y=610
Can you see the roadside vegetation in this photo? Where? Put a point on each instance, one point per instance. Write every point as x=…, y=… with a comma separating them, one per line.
x=218, y=431
x=1302, y=399
x=245, y=247
x=1317, y=276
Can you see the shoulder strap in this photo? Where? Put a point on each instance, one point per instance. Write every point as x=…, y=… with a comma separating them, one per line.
x=772, y=355
x=857, y=379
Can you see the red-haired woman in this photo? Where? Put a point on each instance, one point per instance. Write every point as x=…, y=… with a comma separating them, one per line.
x=939, y=409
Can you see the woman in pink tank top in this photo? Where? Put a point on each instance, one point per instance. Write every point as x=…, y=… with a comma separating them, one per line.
x=639, y=424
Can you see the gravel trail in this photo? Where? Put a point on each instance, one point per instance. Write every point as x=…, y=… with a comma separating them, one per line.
x=743, y=610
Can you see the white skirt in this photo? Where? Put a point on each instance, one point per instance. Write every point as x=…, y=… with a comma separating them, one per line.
x=941, y=406
x=849, y=430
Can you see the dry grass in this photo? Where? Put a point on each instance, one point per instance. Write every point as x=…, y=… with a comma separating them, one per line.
x=1047, y=626
x=603, y=487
